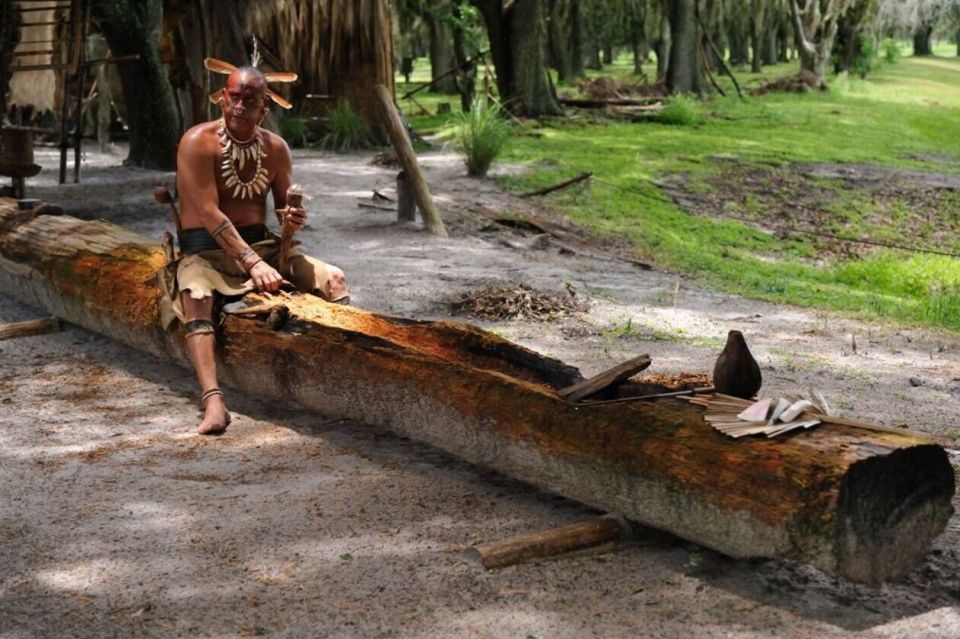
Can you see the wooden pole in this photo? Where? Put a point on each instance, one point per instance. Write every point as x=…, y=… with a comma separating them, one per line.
x=543, y=544
x=30, y=327
x=408, y=160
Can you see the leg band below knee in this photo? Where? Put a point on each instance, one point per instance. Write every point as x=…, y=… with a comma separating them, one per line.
x=198, y=327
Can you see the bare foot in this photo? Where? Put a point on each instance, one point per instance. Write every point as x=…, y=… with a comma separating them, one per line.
x=216, y=417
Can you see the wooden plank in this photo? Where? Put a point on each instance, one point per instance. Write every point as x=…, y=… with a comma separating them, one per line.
x=607, y=379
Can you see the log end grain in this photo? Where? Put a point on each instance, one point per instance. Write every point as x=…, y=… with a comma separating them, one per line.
x=890, y=509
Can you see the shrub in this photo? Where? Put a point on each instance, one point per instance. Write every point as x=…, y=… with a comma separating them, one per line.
x=345, y=129
x=481, y=134
x=892, y=50
x=867, y=60
x=293, y=129
x=681, y=110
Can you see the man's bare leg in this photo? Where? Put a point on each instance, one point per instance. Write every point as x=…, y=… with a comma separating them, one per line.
x=200, y=344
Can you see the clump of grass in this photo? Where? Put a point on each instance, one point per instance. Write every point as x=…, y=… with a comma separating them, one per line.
x=681, y=110
x=345, y=129
x=481, y=134
x=293, y=129
x=892, y=50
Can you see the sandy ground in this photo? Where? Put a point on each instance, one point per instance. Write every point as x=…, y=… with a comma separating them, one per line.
x=117, y=521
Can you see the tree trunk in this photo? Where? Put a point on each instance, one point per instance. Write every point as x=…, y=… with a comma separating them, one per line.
x=441, y=46
x=921, y=40
x=133, y=27
x=768, y=48
x=685, y=74
x=663, y=47
x=862, y=504
x=815, y=29
x=577, y=56
x=517, y=44
x=739, y=54
x=340, y=48
x=636, y=22
x=557, y=43
x=957, y=38
x=755, y=64
x=608, y=54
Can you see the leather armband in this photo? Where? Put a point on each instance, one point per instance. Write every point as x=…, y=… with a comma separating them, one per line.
x=229, y=240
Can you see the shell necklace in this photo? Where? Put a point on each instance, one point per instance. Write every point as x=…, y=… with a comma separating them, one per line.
x=235, y=154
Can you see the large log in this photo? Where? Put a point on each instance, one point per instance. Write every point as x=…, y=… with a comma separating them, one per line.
x=865, y=505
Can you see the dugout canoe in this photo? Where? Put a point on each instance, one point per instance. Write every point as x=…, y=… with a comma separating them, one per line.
x=864, y=505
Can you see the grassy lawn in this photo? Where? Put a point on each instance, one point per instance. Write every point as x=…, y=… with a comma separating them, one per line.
x=904, y=115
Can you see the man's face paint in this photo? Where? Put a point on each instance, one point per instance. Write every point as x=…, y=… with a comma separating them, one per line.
x=244, y=102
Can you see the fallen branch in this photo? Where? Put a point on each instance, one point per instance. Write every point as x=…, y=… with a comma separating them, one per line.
x=558, y=186
x=550, y=543
x=377, y=207
x=600, y=103
x=30, y=327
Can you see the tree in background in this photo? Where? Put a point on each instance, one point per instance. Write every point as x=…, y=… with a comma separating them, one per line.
x=685, y=71
x=919, y=18
x=339, y=48
x=133, y=27
x=815, y=28
x=517, y=38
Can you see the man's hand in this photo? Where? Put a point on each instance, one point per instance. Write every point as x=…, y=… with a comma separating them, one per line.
x=296, y=217
x=265, y=277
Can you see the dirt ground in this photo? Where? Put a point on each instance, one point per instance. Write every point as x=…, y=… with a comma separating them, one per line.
x=117, y=521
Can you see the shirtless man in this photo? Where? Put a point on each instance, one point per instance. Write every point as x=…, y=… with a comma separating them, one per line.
x=224, y=170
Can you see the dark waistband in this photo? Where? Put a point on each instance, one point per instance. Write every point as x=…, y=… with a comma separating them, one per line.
x=199, y=240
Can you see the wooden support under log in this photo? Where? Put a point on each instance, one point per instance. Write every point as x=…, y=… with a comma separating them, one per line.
x=544, y=544
x=559, y=185
x=861, y=504
x=10, y=330
x=607, y=379
x=408, y=159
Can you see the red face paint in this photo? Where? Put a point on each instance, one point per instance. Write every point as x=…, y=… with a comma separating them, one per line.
x=244, y=103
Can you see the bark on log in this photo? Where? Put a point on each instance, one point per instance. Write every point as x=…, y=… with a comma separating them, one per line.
x=862, y=504
x=408, y=159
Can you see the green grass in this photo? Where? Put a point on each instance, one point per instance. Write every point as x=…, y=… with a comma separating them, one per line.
x=901, y=112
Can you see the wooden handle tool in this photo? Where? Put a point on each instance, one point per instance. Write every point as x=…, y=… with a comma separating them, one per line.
x=294, y=200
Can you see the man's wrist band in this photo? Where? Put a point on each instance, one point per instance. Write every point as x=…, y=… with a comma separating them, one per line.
x=248, y=258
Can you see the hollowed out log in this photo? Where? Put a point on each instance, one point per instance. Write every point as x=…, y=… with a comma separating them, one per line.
x=861, y=504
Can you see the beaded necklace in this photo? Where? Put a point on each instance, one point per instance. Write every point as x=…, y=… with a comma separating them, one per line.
x=236, y=154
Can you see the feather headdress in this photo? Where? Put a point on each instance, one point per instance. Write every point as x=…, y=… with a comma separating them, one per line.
x=225, y=68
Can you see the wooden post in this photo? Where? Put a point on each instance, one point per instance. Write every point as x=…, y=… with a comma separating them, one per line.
x=406, y=200
x=408, y=160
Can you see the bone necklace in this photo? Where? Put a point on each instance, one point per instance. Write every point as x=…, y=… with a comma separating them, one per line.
x=235, y=154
